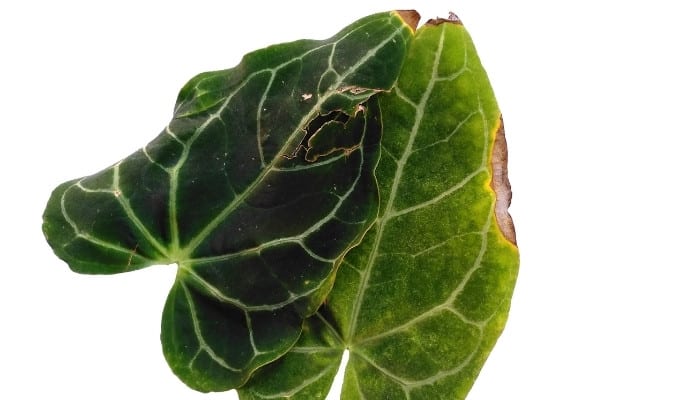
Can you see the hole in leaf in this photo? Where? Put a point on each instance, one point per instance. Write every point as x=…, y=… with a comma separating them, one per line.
x=331, y=126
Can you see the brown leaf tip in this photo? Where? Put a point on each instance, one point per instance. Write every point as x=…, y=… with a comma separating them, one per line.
x=501, y=185
x=452, y=19
x=409, y=17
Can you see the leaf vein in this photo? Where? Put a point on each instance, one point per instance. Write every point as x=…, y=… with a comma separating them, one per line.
x=364, y=279
x=124, y=202
x=203, y=345
x=291, y=392
x=438, y=198
x=448, y=137
x=217, y=294
x=152, y=161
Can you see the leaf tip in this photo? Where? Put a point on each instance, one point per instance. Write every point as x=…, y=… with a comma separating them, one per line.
x=452, y=19
x=501, y=185
x=409, y=17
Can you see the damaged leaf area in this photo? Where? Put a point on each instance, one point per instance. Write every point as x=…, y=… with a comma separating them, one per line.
x=348, y=194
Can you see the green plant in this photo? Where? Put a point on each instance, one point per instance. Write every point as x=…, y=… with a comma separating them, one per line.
x=327, y=195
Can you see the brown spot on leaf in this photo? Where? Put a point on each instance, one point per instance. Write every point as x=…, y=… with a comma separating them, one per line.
x=452, y=19
x=501, y=185
x=409, y=17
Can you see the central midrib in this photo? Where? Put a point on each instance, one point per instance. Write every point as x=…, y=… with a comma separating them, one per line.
x=381, y=223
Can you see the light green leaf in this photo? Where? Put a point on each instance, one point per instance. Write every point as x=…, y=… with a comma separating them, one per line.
x=256, y=189
x=421, y=301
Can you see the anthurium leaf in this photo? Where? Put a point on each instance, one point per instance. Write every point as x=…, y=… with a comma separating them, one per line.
x=421, y=301
x=263, y=179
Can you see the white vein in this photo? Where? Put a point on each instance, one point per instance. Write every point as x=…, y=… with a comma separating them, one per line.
x=82, y=235
x=251, y=339
x=126, y=205
x=440, y=197
x=203, y=345
x=116, y=191
x=257, y=250
x=353, y=267
x=449, y=137
x=401, y=95
x=385, y=151
x=404, y=384
x=172, y=134
x=305, y=383
x=219, y=295
x=330, y=327
x=462, y=70
x=443, y=243
x=260, y=135
x=144, y=150
x=172, y=194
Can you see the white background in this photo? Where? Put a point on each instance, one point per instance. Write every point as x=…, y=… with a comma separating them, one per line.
x=601, y=103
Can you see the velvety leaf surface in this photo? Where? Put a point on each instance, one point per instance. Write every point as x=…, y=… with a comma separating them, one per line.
x=421, y=301
x=257, y=187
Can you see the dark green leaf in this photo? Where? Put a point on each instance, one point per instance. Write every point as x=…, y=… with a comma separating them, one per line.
x=421, y=301
x=256, y=188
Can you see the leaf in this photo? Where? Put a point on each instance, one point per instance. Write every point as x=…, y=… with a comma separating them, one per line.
x=257, y=187
x=421, y=301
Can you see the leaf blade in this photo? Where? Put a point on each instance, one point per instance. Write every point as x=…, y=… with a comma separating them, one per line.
x=216, y=192
x=453, y=140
